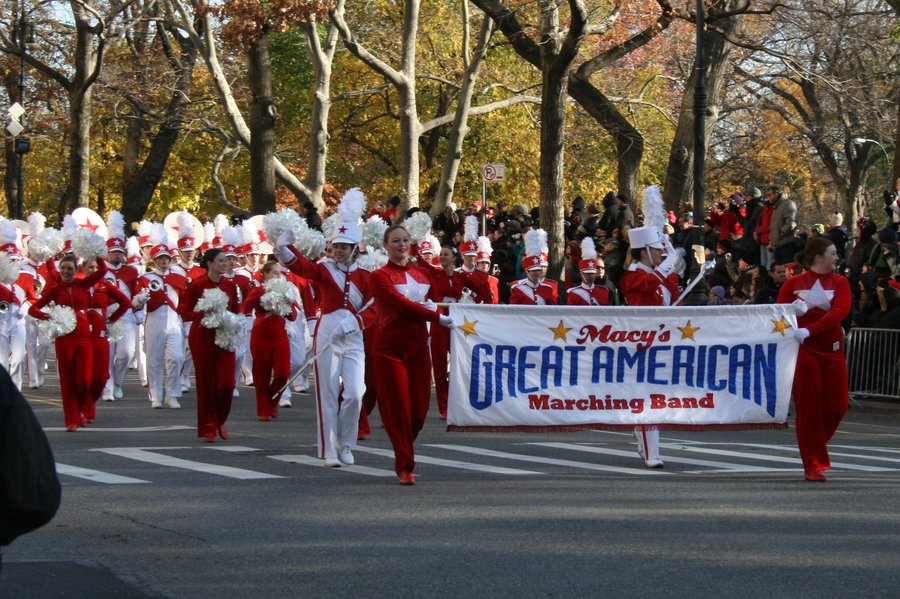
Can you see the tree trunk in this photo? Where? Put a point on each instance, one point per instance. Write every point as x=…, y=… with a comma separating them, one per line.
x=679, y=186
x=410, y=129
x=262, y=127
x=78, y=191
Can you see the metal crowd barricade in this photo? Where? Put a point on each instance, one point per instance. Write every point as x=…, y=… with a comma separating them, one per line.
x=873, y=362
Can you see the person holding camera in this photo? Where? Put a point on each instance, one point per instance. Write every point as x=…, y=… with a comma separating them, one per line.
x=892, y=204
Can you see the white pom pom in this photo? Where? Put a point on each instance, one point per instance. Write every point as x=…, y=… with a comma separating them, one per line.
x=373, y=232
x=212, y=300
x=372, y=260
x=69, y=226
x=418, y=226
x=87, y=245
x=62, y=322
x=286, y=219
x=310, y=243
x=279, y=297
x=230, y=334
x=115, y=331
x=9, y=269
x=45, y=245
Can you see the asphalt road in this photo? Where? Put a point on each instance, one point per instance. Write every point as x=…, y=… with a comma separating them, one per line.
x=149, y=511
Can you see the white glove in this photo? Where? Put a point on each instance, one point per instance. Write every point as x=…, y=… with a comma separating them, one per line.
x=446, y=321
x=20, y=313
x=349, y=325
x=667, y=245
x=286, y=238
x=801, y=334
x=430, y=305
x=282, y=252
x=668, y=265
x=138, y=317
x=800, y=307
x=141, y=299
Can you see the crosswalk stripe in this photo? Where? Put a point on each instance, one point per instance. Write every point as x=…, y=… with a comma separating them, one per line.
x=541, y=460
x=355, y=469
x=97, y=476
x=831, y=452
x=232, y=448
x=726, y=466
x=137, y=429
x=423, y=459
x=150, y=457
x=768, y=458
x=864, y=448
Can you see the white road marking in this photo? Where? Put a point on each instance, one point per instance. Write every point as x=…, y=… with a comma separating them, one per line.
x=724, y=466
x=141, y=429
x=96, y=475
x=769, y=458
x=150, y=457
x=423, y=459
x=232, y=448
x=541, y=460
x=307, y=460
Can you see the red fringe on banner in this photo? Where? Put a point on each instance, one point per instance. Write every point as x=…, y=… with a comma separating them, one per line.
x=454, y=428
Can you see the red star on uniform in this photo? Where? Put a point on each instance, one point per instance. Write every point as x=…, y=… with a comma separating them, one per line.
x=342, y=230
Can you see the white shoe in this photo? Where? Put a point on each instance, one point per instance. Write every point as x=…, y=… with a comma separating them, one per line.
x=173, y=403
x=235, y=393
x=332, y=463
x=118, y=393
x=108, y=398
x=346, y=456
x=185, y=389
x=284, y=403
x=156, y=405
x=653, y=463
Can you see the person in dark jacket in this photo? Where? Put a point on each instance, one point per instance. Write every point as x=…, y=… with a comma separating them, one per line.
x=29, y=488
x=311, y=214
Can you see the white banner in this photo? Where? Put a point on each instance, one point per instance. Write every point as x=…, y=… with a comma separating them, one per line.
x=546, y=368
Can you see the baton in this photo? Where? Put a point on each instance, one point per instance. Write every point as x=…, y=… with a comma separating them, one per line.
x=703, y=270
x=306, y=364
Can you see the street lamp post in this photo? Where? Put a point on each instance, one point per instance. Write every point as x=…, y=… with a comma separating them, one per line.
x=23, y=37
x=858, y=141
x=701, y=107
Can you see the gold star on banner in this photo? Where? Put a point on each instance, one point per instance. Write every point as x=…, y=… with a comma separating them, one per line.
x=560, y=331
x=687, y=331
x=468, y=327
x=781, y=326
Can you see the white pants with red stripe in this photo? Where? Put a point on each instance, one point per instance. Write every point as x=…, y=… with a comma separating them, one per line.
x=163, y=346
x=648, y=444
x=340, y=372
x=12, y=342
x=121, y=353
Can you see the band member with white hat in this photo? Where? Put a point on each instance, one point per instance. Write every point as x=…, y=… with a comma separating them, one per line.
x=588, y=293
x=534, y=290
x=12, y=304
x=187, y=251
x=160, y=291
x=650, y=280
x=343, y=290
x=32, y=278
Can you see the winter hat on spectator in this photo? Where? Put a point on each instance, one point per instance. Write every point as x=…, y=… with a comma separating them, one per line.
x=718, y=291
x=819, y=228
x=609, y=200
x=836, y=219
x=888, y=236
x=754, y=192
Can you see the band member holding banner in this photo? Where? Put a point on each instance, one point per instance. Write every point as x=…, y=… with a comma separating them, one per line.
x=343, y=290
x=588, y=293
x=534, y=290
x=73, y=351
x=820, y=388
x=402, y=360
x=214, y=367
x=650, y=280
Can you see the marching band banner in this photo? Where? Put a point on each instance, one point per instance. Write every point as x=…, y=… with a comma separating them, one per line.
x=556, y=368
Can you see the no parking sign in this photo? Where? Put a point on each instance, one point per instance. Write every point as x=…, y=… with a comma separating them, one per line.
x=493, y=173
